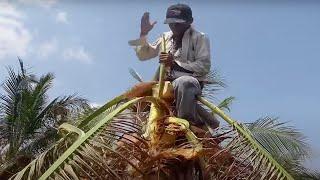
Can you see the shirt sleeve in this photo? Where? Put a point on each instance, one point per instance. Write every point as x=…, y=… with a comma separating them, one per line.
x=145, y=50
x=202, y=63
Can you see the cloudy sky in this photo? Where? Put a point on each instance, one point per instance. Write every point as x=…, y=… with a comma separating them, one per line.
x=268, y=51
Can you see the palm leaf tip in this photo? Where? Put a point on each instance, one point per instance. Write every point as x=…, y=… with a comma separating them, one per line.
x=226, y=103
x=214, y=78
x=135, y=75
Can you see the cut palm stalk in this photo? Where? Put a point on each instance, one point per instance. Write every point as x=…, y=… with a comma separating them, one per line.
x=155, y=113
x=162, y=69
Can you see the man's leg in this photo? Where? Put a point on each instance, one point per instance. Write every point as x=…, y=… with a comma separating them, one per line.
x=207, y=117
x=186, y=90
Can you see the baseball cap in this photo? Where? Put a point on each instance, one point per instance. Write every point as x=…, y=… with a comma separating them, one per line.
x=178, y=13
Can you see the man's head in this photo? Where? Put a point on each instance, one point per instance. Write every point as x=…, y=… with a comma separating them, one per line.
x=179, y=18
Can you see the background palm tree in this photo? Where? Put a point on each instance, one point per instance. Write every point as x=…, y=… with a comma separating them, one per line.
x=28, y=119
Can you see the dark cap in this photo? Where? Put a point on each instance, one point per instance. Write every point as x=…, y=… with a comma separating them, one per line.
x=178, y=13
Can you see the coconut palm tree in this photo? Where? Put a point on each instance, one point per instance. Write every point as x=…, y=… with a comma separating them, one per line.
x=110, y=144
x=29, y=121
x=136, y=136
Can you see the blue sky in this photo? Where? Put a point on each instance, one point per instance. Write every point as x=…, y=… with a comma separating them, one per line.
x=268, y=51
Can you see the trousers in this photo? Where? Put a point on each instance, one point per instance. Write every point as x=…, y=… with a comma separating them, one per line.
x=186, y=90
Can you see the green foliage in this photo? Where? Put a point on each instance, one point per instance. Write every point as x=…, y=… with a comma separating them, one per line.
x=226, y=103
x=264, y=149
x=212, y=85
x=246, y=148
x=279, y=139
x=29, y=120
x=135, y=75
x=73, y=156
x=285, y=143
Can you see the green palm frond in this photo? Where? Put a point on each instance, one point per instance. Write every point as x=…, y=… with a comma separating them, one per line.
x=250, y=154
x=42, y=140
x=25, y=109
x=214, y=83
x=97, y=153
x=286, y=144
x=135, y=75
x=112, y=149
x=294, y=165
x=42, y=86
x=16, y=87
x=85, y=157
x=46, y=158
x=34, y=100
x=12, y=87
x=22, y=69
x=279, y=139
x=214, y=78
x=90, y=121
x=226, y=103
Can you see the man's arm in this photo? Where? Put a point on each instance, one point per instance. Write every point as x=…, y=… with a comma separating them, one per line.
x=143, y=49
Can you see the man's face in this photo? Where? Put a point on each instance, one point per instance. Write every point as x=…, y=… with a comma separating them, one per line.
x=179, y=28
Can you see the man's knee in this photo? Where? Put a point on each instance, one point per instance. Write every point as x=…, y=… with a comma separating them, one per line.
x=186, y=82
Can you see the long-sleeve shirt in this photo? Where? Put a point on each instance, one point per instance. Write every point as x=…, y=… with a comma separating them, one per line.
x=195, y=51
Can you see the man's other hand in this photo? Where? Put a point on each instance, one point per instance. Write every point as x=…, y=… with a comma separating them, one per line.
x=146, y=25
x=166, y=59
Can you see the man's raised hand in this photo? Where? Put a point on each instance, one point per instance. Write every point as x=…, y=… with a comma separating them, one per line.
x=146, y=25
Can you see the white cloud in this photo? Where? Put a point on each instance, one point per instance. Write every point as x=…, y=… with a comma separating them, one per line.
x=62, y=17
x=47, y=48
x=42, y=3
x=8, y=10
x=14, y=36
x=78, y=54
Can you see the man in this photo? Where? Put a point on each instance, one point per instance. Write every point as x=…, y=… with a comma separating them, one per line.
x=188, y=59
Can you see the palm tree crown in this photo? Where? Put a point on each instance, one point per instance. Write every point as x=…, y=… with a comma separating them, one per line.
x=28, y=119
